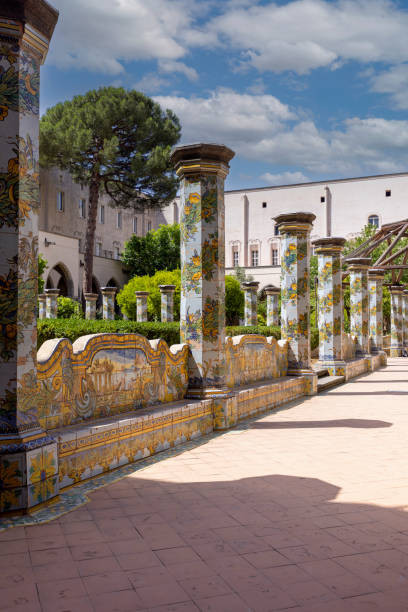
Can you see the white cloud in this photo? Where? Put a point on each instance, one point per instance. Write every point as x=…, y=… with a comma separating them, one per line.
x=285, y=178
x=261, y=128
x=174, y=66
x=100, y=34
x=307, y=34
x=151, y=83
x=394, y=82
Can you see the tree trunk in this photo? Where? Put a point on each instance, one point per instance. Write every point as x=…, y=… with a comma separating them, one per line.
x=90, y=233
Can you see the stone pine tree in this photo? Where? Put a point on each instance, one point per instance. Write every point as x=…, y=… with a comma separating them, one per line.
x=115, y=141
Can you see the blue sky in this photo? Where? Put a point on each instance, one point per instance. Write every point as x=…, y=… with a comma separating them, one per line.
x=300, y=90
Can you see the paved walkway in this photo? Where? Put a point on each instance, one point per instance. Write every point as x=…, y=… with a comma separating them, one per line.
x=305, y=509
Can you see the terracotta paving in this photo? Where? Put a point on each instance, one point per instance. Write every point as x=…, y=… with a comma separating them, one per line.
x=304, y=509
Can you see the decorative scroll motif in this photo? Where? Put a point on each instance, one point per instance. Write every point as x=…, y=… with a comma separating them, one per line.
x=107, y=374
x=250, y=358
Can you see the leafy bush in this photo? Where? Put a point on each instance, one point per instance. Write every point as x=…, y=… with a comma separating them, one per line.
x=127, y=299
x=234, y=300
x=158, y=250
x=72, y=329
x=42, y=266
x=69, y=308
x=262, y=330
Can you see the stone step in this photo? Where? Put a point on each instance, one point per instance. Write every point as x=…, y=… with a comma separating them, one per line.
x=321, y=371
x=327, y=382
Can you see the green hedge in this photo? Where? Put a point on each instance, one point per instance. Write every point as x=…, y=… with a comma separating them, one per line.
x=74, y=328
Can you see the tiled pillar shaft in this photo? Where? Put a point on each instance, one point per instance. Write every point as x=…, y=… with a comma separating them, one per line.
x=90, y=305
x=397, y=293
x=358, y=268
x=405, y=318
x=272, y=306
x=108, y=302
x=167, y=302
x=28, y=458
x=202, y=169
x=375, y=297
x=295, y=229
x=41, y=306
x=251, y=303
x=51, y=304
x=330, y=301
x=141, y=305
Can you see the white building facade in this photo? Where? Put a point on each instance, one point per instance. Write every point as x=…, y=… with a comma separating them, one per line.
x=342, y=208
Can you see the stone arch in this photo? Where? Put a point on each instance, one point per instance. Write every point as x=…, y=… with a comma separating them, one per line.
x=59, y=277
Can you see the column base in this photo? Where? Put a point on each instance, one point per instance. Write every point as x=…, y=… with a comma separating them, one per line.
x=310, y=379
x=28, y=472
x=335, y=368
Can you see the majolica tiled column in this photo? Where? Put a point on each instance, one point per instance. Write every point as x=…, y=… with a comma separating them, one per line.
x=295, y=229
x=375, y=298
x=28, y=457
x=272, y=305
x=42, y=313
x=358, y=268
x=405, y=318
x=51, y=304
x=202, y=169
x=108, y=302
x=251, y=303
x=90, y=305
x=330, y=319
x=397, y=293
x=141, y=305
x=167, y=302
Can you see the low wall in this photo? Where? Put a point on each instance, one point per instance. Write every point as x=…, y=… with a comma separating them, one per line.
x=251, y=358
x=106, y=374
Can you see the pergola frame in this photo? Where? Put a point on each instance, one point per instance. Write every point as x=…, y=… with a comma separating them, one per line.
x=392, y=234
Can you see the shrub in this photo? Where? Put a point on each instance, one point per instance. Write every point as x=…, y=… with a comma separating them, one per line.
x=72, y=329
x=262, y=330
x=234, y=301
x=127, y=300
x=69, y=308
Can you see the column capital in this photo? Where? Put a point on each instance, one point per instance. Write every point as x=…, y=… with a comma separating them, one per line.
x=329, y=245
x=359, y=263
x=52, y=292
x=201, y=158
x=250, y=286
x=272, y=290
x=141, y=293
x=42, y=296
x=397, y=289
x=167, y=288
x=376, y=274
x=108, y=290
x=91, y=297
x=31, y=22
x=294, y=222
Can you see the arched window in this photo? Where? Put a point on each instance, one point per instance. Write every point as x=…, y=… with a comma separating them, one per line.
x=276, y=230
x=374, y=220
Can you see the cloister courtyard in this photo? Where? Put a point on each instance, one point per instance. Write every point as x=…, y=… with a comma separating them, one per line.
x=302, y=509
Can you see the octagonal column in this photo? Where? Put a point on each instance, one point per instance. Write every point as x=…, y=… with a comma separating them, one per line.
x=41, y=306
x=358, y=268
x=141, y=305
x=251, y=301
x=295, y=229
x=28, y=457
x=167, y=302
x=329, y=290
x=51, y=304
x=397, y=293
x=108, y=302
x=272, y=305
x=90, y=305
x=202, y=169
x=375, y=298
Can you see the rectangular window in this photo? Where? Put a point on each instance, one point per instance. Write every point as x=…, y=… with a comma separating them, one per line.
x=135, y=225
x=235, y=258
x=60, y=201
x=274, y=256
x=388, y=193
x=149, y=226
x=102, y=214
x=119, y=220
x=98, y=249
x=254, y=258
x=117, y=253
x=82, y=208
